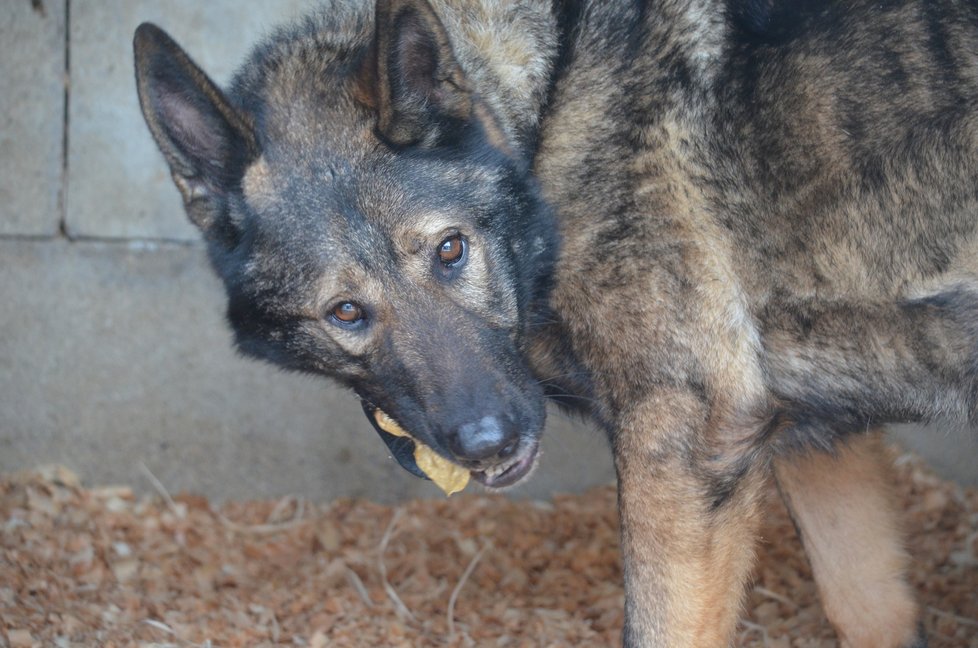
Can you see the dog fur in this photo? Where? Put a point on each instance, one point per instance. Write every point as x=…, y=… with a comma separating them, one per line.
x=739, y=235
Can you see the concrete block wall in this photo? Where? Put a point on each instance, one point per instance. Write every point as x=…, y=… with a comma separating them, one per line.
x=113, y=350
x=32, y=105
x=114, y=353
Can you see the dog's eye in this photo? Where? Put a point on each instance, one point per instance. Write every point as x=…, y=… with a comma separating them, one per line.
x=347, y=313
x=452, y=250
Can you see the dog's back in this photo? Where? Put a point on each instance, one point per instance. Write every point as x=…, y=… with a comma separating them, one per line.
x=822, y=161
x=774, y=216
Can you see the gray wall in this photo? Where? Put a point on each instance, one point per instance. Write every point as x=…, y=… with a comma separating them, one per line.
x=113, y=351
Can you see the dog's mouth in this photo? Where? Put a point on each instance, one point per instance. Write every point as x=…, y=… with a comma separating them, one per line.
x=501, y=475
x=509, y=472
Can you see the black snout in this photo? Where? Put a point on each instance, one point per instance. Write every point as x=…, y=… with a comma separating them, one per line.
x=486, y=439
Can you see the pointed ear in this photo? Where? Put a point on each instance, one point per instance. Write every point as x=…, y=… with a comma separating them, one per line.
x=420, y=91
x=207, y=144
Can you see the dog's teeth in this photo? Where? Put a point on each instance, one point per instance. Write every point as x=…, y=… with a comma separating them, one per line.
x=499, y=469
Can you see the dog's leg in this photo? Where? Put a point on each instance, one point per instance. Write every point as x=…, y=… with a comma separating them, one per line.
x=842, y=508
x=689, y=523
x=853, y=362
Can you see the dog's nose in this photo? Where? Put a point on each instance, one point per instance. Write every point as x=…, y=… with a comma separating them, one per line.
x=484, y=439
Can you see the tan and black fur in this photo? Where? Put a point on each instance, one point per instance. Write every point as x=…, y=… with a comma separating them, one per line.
x=739, y=235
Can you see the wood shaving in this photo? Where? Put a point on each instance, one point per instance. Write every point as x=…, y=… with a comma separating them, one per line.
x=99, y=566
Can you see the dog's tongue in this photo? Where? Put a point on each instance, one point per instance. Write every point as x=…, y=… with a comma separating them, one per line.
x=401, y=447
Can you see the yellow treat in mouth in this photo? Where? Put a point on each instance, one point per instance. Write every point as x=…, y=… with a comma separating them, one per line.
x=446, y=475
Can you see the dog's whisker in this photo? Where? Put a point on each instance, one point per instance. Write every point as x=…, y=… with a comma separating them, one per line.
x=557, y=398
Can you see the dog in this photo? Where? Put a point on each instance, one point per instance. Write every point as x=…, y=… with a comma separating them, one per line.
x=739, y=235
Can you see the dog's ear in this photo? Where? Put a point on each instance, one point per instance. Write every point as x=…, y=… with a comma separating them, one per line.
x=418, y=87
x=207, y=144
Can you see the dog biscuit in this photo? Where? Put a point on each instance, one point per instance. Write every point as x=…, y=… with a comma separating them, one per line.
x=448, y=476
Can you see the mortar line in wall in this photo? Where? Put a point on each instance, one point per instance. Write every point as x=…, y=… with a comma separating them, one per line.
x=104, y=240
x=63, y=198
x=137, y=242
x=31, y=238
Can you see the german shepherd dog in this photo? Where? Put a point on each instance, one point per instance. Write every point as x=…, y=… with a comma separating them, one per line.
x=739, y=235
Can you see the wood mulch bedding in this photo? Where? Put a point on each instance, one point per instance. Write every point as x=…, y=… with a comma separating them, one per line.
x=100, y=567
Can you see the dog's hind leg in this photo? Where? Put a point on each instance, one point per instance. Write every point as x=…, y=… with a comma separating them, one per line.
x=842, y=508
x=856, y=363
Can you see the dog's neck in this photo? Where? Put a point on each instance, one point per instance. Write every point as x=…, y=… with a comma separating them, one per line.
x=588, y=108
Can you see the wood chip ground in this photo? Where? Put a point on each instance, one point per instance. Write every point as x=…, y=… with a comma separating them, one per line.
x=99, y=567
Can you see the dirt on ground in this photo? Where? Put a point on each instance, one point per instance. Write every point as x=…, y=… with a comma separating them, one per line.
x=98, y=566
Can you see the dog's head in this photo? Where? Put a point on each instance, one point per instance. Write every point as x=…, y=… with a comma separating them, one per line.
x=371, y=222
